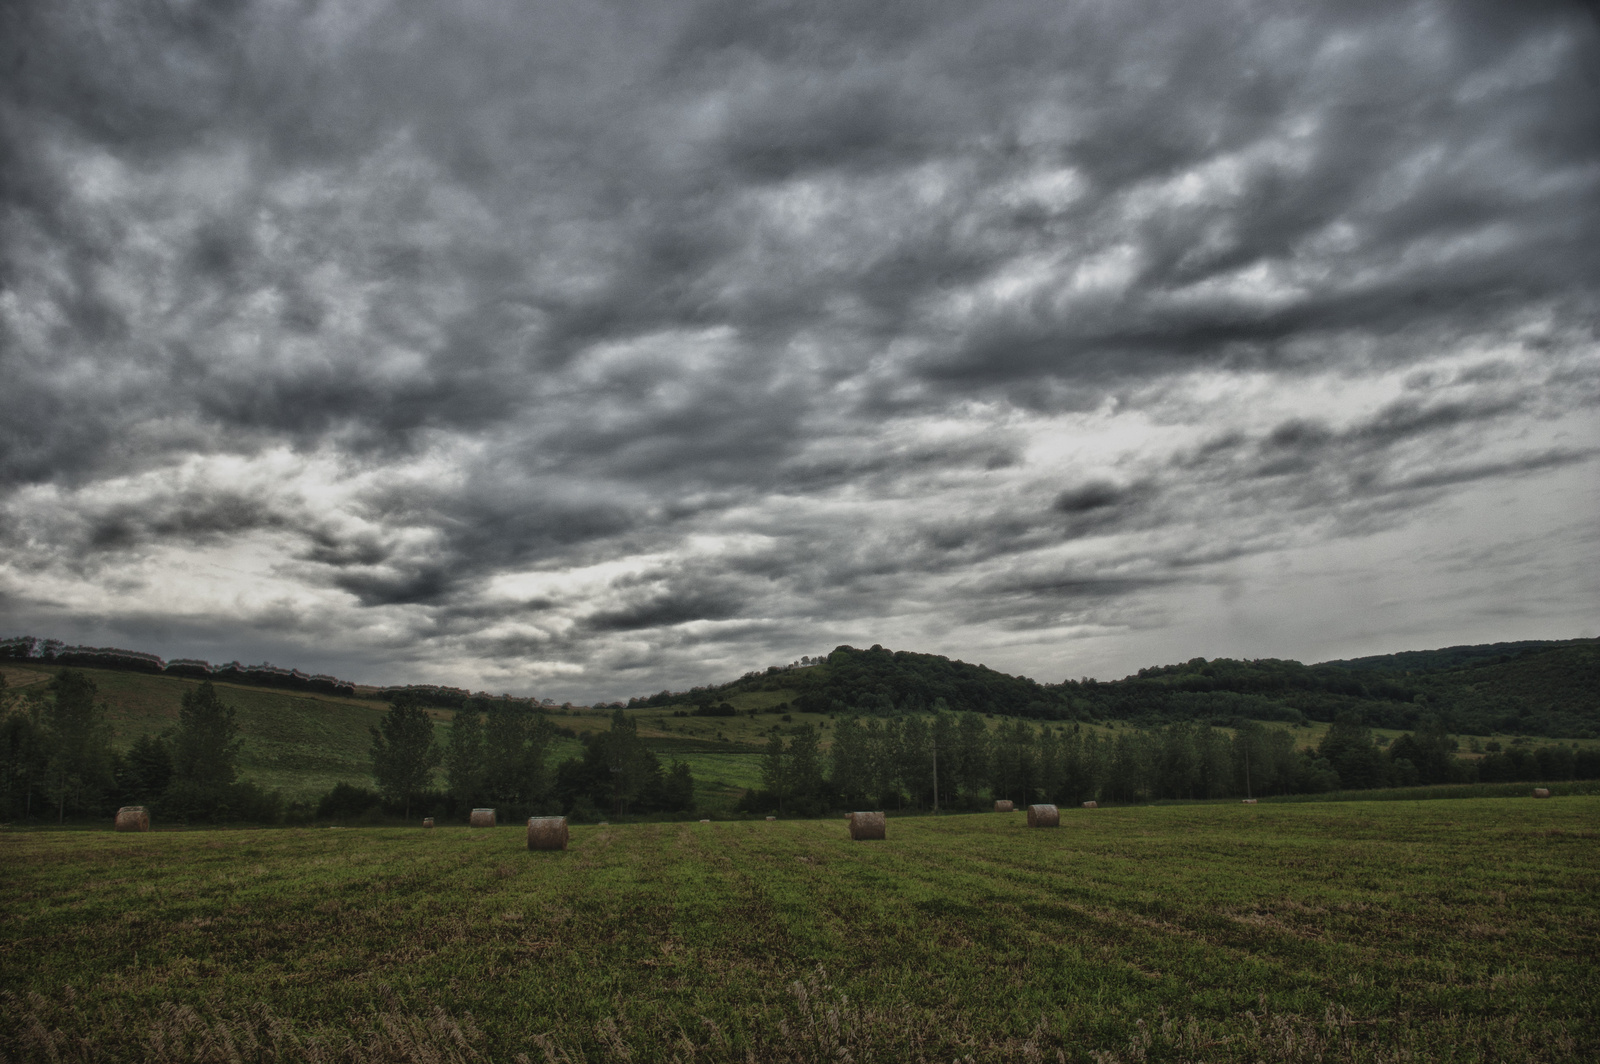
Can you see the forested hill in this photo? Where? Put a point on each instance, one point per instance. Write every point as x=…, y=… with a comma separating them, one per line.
x=1450, y=657
x=1530, y=688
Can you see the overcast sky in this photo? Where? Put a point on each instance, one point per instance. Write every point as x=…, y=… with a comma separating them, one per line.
x=585, y=349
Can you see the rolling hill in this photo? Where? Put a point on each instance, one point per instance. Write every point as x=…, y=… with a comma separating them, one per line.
x=303, y=739
x=1550, y=689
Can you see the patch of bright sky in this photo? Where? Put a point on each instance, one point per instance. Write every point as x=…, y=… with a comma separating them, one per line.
x=579, y=583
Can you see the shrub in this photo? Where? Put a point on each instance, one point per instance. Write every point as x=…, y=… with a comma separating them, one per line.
x=347, y=802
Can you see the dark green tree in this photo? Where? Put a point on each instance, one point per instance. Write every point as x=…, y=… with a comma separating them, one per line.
x=1014, y=763
x=775, y=768
x=205, y=746
x=205, y=752
x=404, y=751
x=914, y=759
x=24, y=758
x=1431, y=752
x=1129, y=765
x=943, y=749
x=1349, y=749
x=146, y=769
x=463, y=758
x=679, y=788
x=516, y=742
x=805, y=782
x=880, y=741
x=970, y=758
x=79, y=742
x=847, y=781
x=617, y=772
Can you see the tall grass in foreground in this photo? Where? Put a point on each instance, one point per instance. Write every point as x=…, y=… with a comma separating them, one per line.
x=1383, y=931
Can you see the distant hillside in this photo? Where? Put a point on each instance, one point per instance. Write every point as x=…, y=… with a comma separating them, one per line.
x=301, y=742
x=1450, y=657
x=1551, y=691
x=1549, y=688
x=1546, y=688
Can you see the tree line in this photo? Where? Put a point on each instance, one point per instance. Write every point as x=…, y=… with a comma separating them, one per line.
x=57, y=760
x=498, y=755
x=956, y=761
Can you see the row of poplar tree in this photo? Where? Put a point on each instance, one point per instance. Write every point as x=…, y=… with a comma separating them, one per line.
x=957, y=761
x=57, y=759
x=498, y=755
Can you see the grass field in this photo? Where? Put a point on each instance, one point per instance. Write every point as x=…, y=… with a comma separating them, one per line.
x=1444, y=930
x=302, y=743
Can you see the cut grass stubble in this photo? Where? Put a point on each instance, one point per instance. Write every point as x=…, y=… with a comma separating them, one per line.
x=1450, y=930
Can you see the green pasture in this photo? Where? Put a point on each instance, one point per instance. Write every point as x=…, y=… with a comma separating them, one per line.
x=299, y=743
x=302, y=743
x=1359, y=931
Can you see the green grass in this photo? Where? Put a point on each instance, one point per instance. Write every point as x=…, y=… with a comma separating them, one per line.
x=301, y=744
x=1442, y=790
x=1352, y=931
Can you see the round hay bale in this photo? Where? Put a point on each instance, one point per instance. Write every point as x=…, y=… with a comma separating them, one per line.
x=1004, y=806
x=482, y=818
x=427, y=821
x=1091, y=805
x=133, y=818
x=705, y=821
x=868, y=826
x=1538, y=792
x=1044, y=816
x=772, y=818
x=547, y=833
x=1248, y=801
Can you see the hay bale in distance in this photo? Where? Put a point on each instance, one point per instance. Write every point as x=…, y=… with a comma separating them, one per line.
x=868, y=826
x=427, y=821
x=1248, y=801
x=133, y=818
x=547, y=833
x=772, y=818
x=1538, y=792
x=705, y=821
x=482, y=818
x=1004, y=806
x=1091, y=805
x=1044, y=816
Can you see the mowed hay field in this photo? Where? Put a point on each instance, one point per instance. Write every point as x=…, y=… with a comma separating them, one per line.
x=1446, y=930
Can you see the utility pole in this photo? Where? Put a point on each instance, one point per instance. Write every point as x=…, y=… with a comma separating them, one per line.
x=936, y=777
x=1247, y=793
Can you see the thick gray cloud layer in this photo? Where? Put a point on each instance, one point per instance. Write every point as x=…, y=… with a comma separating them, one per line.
x=598, y=348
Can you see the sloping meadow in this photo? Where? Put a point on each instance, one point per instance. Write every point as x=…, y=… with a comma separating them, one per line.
x=1460, y=930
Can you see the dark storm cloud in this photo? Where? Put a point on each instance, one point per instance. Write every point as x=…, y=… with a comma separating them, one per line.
x=192, y=515
x=777, y=298
x=665, y=610
x=1096, y=495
